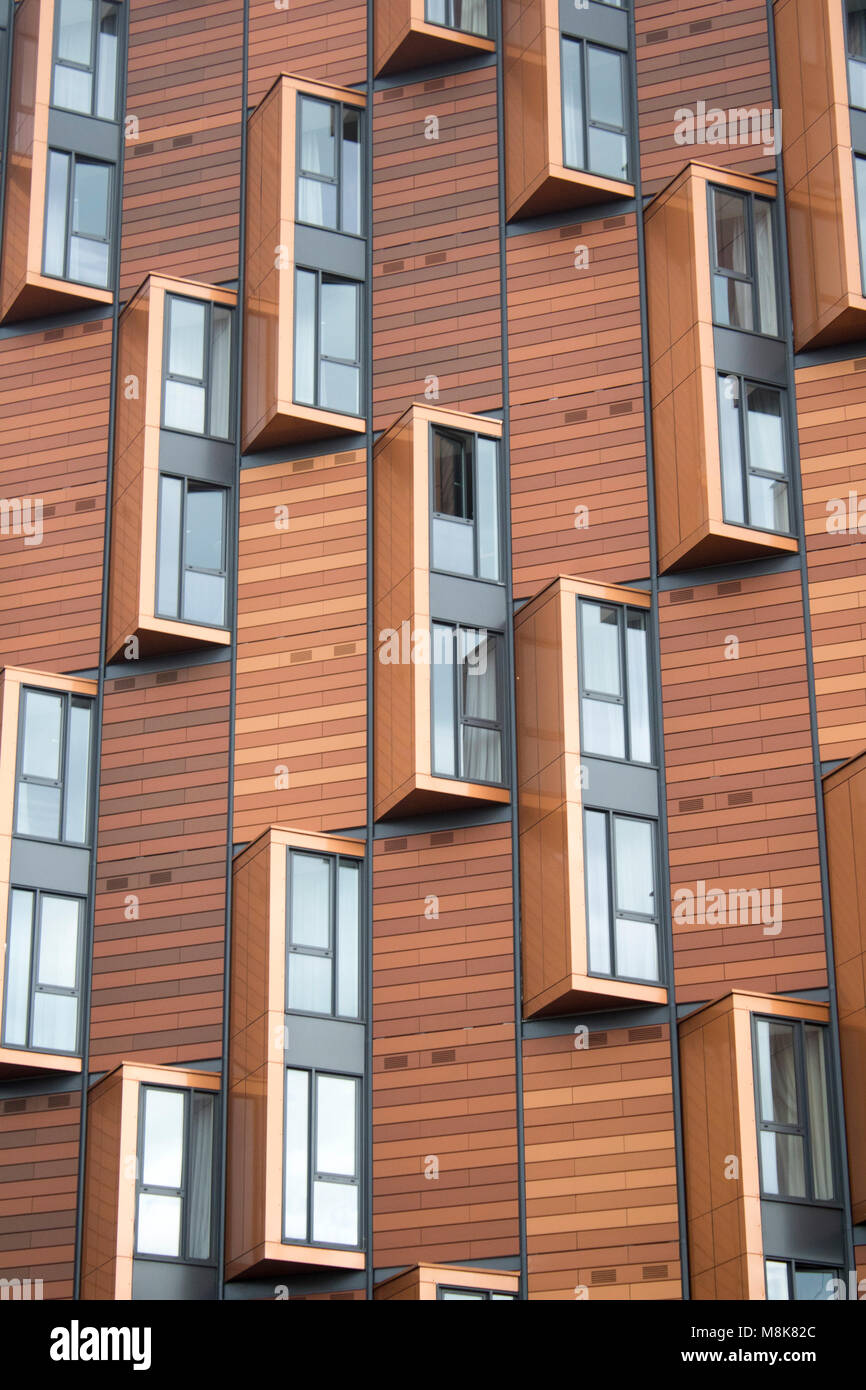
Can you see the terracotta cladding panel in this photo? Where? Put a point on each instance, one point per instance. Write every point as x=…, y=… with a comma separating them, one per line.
x=576, y=386
x=157, y=983
x=38, y=1175
x=600, y=1166
x=182, y=173
x=715, y=53
x=301, y=690
x=737, y=743
x=54, y=403
x=321, y=39
x=436, y=250
x=444, y=1078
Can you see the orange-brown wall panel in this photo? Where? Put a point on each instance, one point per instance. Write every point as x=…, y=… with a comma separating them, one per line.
x=38, y=1175
x=321, y=39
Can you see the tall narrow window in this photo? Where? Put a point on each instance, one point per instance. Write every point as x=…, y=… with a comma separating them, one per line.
x=43, y=971
x=466, y=704
x=85, y=57
x=197, y=367
x=793, y=1110
x=191, y=552
x=466, y=513
x=321, y=1193
x=329, y=165
x=327, y=342
x=860, y=196
x=855, y=17
x=323, y=904
x=469, y=16
x=745, y=292
x=621, y=905
x=594, y=113
x=614, y=682
x=174, y=1200
x=78, y=199
x=52, y=799
x=752, y=440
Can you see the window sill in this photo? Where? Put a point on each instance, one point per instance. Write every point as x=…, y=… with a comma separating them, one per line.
x=423, y=793
x=584, y=993
x=273, y=1257
x=20, y=1061
x=558, y=188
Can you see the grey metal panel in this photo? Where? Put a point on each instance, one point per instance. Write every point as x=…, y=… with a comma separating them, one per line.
x=331, y=251
x=858, y=131
x=57, y=868
x=798, y=1231
x=84, y=134
x=166, y=1280
x=470, y=601
x=324, y=1043
x=750, y=355
x=620, y=786
x=597, y=1021
x=194, y=456
x=598, y=22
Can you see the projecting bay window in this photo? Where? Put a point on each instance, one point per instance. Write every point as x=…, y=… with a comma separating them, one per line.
x=792, y=1086
x=791, y=1279
x=323, y=935
x=466, y=509
x=753, y=448
x=321, y=1188
x=197, y=367
x=85, y=58
x=614, y=682
x=191, y=552
x=466, y=704
x=329, y=165
x=43, y=971
x=469, y=16
x=621, y=896
x=594, y=109
x=78, y=211
x=52, y=799
x=742, y=250
x=174, y=1194
x=327, y=342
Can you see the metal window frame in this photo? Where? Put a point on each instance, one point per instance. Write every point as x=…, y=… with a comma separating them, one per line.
x=33, y=987
x=75, y=159
x=93, y=68
x=314, y=1174
x=457, y=28
x=805, y=1128
x=461, y=720
x=624, y=130
x=477, y=1295
x=335, y=863
x=318, y=357
x=337, y=181
x=751, y=277
x=747, y=469
x=585, y=691
x=182, y=567
x=792, y=1266
x=469, y=441
x=206, y=381
x=183, y=1192
x=613, y=912
x=67, y=697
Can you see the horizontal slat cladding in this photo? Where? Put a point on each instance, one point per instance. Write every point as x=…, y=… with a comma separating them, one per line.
x=436, y=322
x=578, y=464
x=322, y=39
x=301, y=735
x=54, y=398
x=715, y=53
x=182, y=173
x=736, y=725
x=831, y=407
x=601, y=1195
x=38, y=1174
x=157, y=975
x=445, y=1141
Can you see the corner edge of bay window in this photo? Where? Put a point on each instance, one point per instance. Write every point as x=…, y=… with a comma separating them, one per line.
x=418, y=33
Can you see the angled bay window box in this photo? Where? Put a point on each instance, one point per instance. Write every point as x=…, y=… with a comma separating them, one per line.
x=174, y=466
x=417, y=33
x=567, y=105
x=64, y=148
x=720, y=407
x=296, y=1056
x=440, y=612
x=150, y=1199
x=587, y=800
x=759, y=1131
x=304, y=311
x=46, y=829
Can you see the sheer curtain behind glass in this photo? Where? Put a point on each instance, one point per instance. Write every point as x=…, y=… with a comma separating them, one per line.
x=482, y=752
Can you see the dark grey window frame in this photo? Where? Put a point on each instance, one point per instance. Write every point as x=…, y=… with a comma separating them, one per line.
x=337, y=181
x=313, y=1173
x=584, y=690
x=56, y=62
x=794, y=1265
x=456, y=28
x=610, y=816
x=625, y=129
x=471, y=722
x=69, y=697
x=186, y=482
x=751, y=278
x=318, y=359
x=183, y=1191
x=466, y=438
x=804, y=1129
x=206, y=382
x=33, y=988
x=744, y=381
x=476, y=1295
x=335, y=862
x=75, y=159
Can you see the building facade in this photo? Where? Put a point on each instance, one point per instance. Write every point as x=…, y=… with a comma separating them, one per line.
x=433, y=709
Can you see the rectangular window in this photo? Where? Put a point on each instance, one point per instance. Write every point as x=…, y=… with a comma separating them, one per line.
x=191, y=552
x=78, y=210
x=789, y=1279
x=321, y=1196
x=860, y=196
x=594, y=114
x=85, y=57
x=197, y=367
x=793, y=1110
x=474, y=1295
x=174, y=1197
x=327, y=342
x=614, y=682
x=469, y=16
x=43, y=971
x=52, y=799
x=323, y=902
x=856, y=33
x=742, y=250
x=466, y=512
x=329, y=165
x=466, y=702
x=621, y=898
x=753, y=447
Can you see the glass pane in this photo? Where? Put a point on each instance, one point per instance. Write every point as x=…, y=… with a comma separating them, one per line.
x=200, y=1174
x=452, y=477
x=58, y=942
x=777, y=1280
x=73, y=89
x=17, y=997
x=860, y=181
x=766, y=267
x=339, y=319
x=453, y=546
x=350, y=187
x=311, y=901
x=487, y=471
x=43, y=726
x=162, y=1141
x=777, y=1073
x=348, y=940
x=204, y=526
x=74, y=31
x=340, y=388
x=436, y=11
x=55, y=1022
x=90, y=198
x=461, y=1295
x=637, y=955
x=186, y=325
x=730, y=225
x=637, y=663
x=572, y=105
x=857, y=83
x=88, y=261
x=204, y=598
x=56, y=195
x=78, y=772
x=158, y=1224
x=184, y=407
x=318, y=138
x=38, y=811
x=600, y=648
x=335, y=1213
x=783, y=1164
x=764, y=423
x=816, y=1285
x=597, y=892
x=305, y=337
x=768, y=503
x=317, y=202
x=602, y=727
x=608, y=153
x=477, y=656
x=296, y=1165
x=731, y=449
x=856, y=24
x=471, y=16
x=106, y=64
x=819, y=1113
x=220, y=371
x=444, y=712
x=310, y=983
x=482, y=754
x=635, y=879
x=168, y=548
x=336, y=1125
x=605, y=86
x=732, y=302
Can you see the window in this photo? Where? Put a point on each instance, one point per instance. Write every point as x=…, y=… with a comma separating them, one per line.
x=743, y=262
x=197, y=370
x=323, y=934
x=43, y=969
x=78, y=198
x=614, y=682
x=466, y=704
x=327, y=342
x=470, y=16
x=621, y=906
x=85, y=58
x=753, y=453
x=478, y=1295
x=321, y=1202
x=860, y=195
x=191, y=552
x=793, y=1110
x=789, y=1279
x=856, y=31
x=329, y=165
x=52, y=800
x=466, y=526
x=594, y=109
x=174, y=1198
